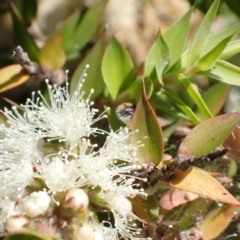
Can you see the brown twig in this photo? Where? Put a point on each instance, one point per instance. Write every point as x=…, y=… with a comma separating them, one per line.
x=168, y=171
x=37, y=72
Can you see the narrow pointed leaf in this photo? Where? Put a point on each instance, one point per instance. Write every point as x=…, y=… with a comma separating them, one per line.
x=162, y=56
x=232, y=49
x=117, y=68
x=215, y=39
x=178, y=30
x=150, y=61
x=52, y=55
x=67, y=30
x=217, y=221
x=12, y=76
x=182, y=105
x=200, y=182
x=225, y=72
x=135, y=89
x=214, y=97
x=88, y=25
x=200, y=37
x=147, y=129
x=94, y=78
x=196, y=96
x=208, y=135
x=84, y=30
x=209, y=59
x=28, y=12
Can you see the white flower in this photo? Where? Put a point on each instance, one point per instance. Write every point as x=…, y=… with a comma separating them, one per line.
x=37, y=203
x=124, y=218
x=75, y=163
x=98, y=236
x=8, y=209
x=19, y=140
x=62, y=172
x=102, y=168
x=67, y=118
x=14, y=180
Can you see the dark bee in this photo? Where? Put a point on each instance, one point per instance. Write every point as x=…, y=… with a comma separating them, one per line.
x=125, y=111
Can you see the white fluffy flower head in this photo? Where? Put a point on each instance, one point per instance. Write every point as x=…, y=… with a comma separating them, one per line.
x=28, y=147
x=67, y=118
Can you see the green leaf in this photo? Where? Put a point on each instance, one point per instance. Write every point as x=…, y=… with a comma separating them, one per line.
x=195, y=95
x=162, y=56
x=234, y=6
x=84, y=31
x=22, y=37
x=146, y=129
x=232, y=49
x=177, y=31
x=182, y=105
x=166, y=109
x=31, y=235
x=214, y=40
x=208, y=135
x=67, y=31
x=94, y=78
x=117, y=68
x=149, y=65
x=225, y=72
x=209, y=59
x=113, y=120
x=135, y=89
x=214, y=97
x=200, y=37
x=27, y=9
x=52, y=55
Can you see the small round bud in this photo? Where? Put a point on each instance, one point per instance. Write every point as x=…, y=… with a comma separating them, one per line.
x=76, y=200
x=15, y=224
x=36, y=204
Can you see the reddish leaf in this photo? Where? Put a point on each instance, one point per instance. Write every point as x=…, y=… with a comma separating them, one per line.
x=200, y=182
x=147, y=130
x=233, y=143
x=146, y=209
x=208, y=135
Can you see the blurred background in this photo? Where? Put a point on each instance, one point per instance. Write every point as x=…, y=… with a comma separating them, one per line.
x=32, y=24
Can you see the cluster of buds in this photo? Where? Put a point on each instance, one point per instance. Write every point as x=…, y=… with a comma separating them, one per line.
x=69, y=218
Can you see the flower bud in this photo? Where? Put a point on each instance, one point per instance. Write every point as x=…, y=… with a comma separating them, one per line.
x=84, y=232
x=15, y=224
x=76, y=200
x=36, y=204
x=37, y=183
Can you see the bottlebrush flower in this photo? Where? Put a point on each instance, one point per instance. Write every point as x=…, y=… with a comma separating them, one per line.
x=71, y=166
